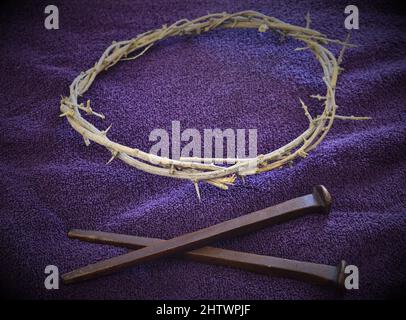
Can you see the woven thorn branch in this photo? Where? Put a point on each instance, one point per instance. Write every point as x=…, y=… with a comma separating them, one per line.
x=198, y=169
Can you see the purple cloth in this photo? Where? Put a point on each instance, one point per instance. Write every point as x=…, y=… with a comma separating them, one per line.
x=51, y=182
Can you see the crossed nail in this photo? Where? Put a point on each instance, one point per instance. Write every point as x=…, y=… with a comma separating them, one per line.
x=193, y=245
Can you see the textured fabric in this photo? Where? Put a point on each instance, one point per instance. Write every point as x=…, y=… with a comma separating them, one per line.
x=51, y=182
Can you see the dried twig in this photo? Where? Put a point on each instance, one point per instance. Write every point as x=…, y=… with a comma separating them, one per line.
x=195, y=171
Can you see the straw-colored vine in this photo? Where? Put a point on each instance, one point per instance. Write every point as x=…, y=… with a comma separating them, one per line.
x=196, y=169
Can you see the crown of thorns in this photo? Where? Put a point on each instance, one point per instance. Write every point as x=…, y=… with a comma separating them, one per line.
x=197, y=169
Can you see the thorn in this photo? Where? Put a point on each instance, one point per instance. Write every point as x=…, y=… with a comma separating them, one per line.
x=302, y=153
x=114, y=155
x=104, y=132
x=306, y=111
x=318, y=97
x=341, y=55
x=88, y=108
x=196, y=183
x=70, y=113
x=301, y=49
x=243, y=179
x=263, y=28
x=87, y=141
x=308, y=20
x=90, y=111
